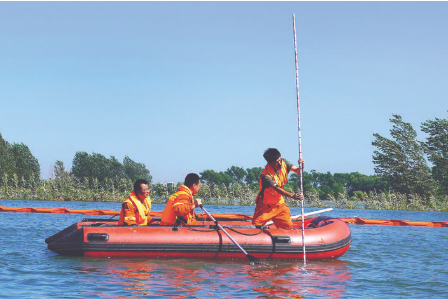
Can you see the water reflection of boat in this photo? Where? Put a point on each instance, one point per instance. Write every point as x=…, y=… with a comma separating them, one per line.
x=184, y=278
x=325, y=238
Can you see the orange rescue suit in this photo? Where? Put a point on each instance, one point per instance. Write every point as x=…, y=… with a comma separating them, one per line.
x=270, y=203
x=269, y=196
x=179, y=207
x=133, y=211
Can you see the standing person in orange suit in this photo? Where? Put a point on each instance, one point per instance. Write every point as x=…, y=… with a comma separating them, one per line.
x=270, y=204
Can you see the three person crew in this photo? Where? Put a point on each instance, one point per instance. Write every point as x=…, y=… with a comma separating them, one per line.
x=270, y=203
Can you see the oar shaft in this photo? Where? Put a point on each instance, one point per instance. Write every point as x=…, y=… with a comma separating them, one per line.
x=221, y=228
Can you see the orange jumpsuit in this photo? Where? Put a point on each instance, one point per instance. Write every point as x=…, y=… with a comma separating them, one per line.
x=270, y=203
x=179, y=208
x=133, y=211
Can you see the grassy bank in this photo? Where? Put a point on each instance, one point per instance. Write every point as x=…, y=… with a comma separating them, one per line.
x=239, y=195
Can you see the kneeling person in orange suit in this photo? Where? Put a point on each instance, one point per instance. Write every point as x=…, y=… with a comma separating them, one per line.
x=136, y=208
x=180, y=206
x=270, y=204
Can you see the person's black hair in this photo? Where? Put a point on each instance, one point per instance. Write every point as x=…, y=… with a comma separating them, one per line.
x=137, y=185
x=271, y=154
x=191, y=179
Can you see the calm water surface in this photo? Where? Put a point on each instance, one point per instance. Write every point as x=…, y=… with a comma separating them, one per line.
x=382, y=262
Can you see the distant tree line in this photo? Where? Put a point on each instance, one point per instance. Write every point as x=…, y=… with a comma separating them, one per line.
x=233, y=175
x=401, y=167
x=323, y=183
x=99, y=167
x=95, y=171
x=20, y=170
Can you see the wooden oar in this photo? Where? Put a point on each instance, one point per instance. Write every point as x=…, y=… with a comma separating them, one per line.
x=306, y=214
x=250, y=257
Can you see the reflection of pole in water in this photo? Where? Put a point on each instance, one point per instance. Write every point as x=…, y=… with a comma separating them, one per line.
x=327, y=279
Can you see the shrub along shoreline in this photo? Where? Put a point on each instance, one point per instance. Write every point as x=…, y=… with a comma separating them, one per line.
x=212, y=194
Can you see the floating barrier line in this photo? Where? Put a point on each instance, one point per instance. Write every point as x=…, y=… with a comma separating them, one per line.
x=60, y=211
x=108, y=212
x=357, y=220
x=354, y=220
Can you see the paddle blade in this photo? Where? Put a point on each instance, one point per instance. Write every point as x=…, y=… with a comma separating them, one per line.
x=253, y=260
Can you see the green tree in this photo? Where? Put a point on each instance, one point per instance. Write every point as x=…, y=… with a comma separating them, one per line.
x=401, y=161
x=60, y=174
x=307, y=180
x=82, y=166
x=237, y=174
x=342, y=179
x=324, y=183
x=7, y=163
x=253, y=175
x=364, y=183
x=135, y=171
x=27, y=166
x=217, y=178
x=101, y=167
x=159, y=191
x=116, y=168
x=314, y=180
x=294, y=182
x=436, y=147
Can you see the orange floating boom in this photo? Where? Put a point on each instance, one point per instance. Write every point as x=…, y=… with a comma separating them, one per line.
x=60, y=211
x=357, y=220
x=108, y=212
x=354, y=220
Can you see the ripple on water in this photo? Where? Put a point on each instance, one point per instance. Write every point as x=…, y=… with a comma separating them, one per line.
x=382, y=262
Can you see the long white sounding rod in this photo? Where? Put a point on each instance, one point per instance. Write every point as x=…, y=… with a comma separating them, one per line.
x=306, y=214
x=300, y=138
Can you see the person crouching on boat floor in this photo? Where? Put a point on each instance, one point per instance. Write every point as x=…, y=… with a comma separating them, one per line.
x=180, y=206
x=270, y=204
x=136, y=208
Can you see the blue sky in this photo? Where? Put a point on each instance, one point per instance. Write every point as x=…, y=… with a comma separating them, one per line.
x=188, y=86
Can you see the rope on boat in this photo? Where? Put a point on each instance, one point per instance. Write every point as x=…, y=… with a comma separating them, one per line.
x=354, y=220
x=234, y=230
x=226, y=227
x=201, y=230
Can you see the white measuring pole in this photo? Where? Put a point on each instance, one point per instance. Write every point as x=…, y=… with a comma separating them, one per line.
x=300, y=138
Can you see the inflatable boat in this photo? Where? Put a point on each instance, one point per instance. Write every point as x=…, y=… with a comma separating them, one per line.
x=325, y=238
